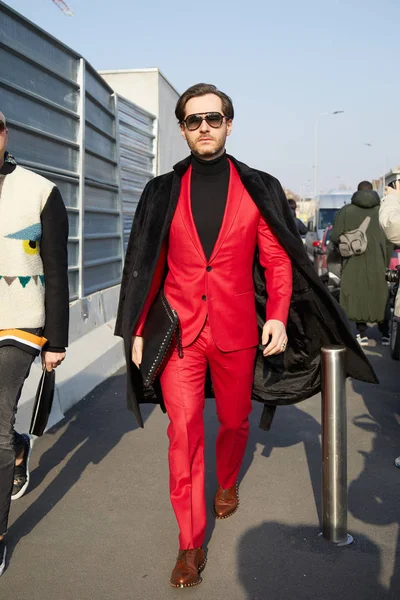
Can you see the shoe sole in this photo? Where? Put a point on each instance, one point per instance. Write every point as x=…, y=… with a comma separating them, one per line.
x=217, y=516
x=28, y=475
x=186, y=585
x=3, y=564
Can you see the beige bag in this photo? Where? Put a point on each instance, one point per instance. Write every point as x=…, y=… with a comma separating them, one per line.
x=354, y=243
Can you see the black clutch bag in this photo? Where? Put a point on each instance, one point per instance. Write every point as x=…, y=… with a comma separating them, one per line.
x=43, y=402
x=161, y=326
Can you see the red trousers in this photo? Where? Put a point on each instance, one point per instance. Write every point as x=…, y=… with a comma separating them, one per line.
x=182, y=384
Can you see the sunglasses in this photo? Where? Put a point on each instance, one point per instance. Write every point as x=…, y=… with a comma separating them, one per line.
x=2, y=127
x=392, y=184
x=213, y=119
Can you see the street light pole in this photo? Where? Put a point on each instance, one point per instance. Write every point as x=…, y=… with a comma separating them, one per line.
x=384, y=169
x=316, y=131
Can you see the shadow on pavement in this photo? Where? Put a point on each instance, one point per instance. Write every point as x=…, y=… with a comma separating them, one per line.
x=89, y=431
x=282, y=562
x=295, y=427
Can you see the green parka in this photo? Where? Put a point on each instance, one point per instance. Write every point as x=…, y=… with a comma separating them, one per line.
x=364, y=291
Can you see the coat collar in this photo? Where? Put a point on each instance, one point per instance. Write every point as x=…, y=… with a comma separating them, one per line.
x=182, y=166
x=269, y=197
x=9, y=164
x=244, y=170
x=250, y=177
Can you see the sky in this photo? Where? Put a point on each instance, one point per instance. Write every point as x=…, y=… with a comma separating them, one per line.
x=283, y=63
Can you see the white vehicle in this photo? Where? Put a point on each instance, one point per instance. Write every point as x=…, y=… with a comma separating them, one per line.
x=327, y=207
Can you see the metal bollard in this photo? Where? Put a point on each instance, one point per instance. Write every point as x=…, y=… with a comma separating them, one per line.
x=334, y=446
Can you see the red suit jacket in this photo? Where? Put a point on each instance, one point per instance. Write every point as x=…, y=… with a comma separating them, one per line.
x=222, y=287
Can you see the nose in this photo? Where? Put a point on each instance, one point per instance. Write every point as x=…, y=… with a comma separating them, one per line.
x=204, y=127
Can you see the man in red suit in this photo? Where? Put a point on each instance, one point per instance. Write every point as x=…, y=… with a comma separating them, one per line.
x=208, y=259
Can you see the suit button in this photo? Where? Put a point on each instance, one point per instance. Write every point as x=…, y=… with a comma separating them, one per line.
x=204, y=297
x=135, y=273
x=208, y=268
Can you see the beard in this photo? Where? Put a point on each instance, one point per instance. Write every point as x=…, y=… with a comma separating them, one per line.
x=209, y=151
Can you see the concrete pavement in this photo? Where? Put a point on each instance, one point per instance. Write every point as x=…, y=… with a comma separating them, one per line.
x=97, y=523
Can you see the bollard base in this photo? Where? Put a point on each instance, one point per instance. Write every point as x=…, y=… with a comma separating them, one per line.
x=349, y=540
x=346, y=542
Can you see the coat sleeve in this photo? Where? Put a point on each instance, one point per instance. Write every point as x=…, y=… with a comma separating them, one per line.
x=301, y=227
x=54, y=255
x=155, y=286
x=278, y=273
x=389, y=217
x=131, y=255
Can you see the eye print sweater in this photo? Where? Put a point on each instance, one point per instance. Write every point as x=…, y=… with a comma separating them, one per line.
x=33, y=255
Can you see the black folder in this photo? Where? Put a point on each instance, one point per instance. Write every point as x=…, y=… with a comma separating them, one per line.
x=43, y=402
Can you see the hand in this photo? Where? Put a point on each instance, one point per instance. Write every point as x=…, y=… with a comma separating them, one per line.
x=390, y=191
x=51, y=360
x=137, y=350
x=277, y=331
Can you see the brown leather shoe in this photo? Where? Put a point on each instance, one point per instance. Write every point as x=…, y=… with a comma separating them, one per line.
x=189, y=565
x=226, y=502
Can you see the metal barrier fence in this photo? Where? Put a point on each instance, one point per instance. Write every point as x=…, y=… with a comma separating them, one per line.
x=137, y=159
x=67, y=124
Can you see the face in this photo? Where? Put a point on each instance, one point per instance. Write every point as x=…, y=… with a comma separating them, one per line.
x=3, y=136
x=206, y=142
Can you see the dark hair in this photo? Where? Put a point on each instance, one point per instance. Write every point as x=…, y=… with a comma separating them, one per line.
x=365, y=186
x=201, y=89
x=292, y=203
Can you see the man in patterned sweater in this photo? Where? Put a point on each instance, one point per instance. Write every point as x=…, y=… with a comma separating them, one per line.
x=34, y=306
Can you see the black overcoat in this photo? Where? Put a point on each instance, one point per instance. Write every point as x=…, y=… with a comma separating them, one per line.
x=315, y=318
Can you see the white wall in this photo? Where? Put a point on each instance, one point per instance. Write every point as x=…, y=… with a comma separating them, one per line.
x=172, y=147
x=149, y=89
x=140, y=87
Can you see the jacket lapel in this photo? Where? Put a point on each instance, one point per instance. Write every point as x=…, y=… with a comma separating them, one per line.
x=235, y=195
x=187, y=215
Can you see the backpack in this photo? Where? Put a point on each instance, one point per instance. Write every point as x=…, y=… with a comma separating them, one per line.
x=354, y=243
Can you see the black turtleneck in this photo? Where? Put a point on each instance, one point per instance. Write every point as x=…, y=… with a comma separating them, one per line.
x=209, y=191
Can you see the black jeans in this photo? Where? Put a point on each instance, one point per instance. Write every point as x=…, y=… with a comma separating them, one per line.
x=15, y=365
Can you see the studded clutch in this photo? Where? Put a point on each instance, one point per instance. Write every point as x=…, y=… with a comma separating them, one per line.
x=161, y=328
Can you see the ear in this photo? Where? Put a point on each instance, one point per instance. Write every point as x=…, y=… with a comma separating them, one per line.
x=229, y=127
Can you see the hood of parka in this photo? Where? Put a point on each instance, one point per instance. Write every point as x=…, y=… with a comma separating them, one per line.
x=366, y=199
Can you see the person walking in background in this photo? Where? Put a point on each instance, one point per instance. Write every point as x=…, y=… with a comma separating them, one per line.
x=34, y=306
x=300, y=225
x=389, y=214
x=364, y=291
x=389, y=219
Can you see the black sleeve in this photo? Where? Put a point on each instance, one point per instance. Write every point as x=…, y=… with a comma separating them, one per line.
x=130, y=256
x=302, y=228
x=54, y=254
